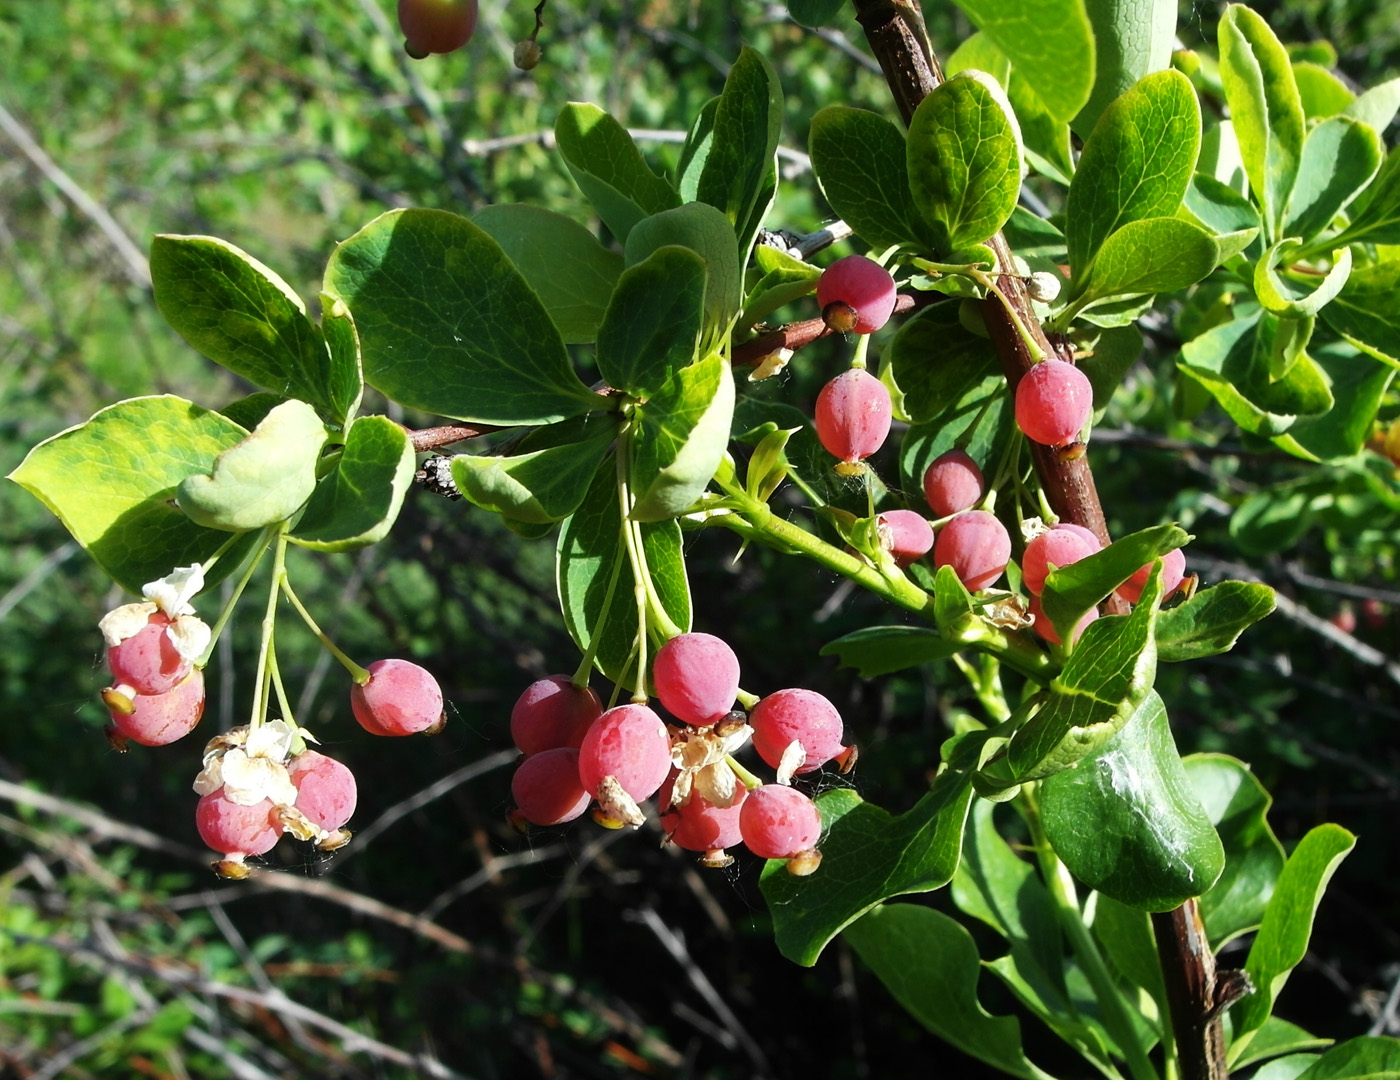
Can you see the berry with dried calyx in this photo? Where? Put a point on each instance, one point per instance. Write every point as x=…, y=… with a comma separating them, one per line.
x=148, y=661
x=953, y=483
x=780, y=822
x=630, y=744
x=1064, y=544
x=326, y=790
x=436, y=26
x=551, y=713
x=696, y=676
x=856, y=295
x=976, y=545
x=853, y=418
x=905, y=535
x=1053, y=402
x=1173, y=572
x=400, y=698
x=157, y=719
x=803, y=717
x=235, y=830
x=700, y=825
x=546, y=788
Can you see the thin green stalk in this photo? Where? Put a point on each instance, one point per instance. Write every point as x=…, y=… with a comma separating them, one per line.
x=748, y=779
x=283, y=700
x=359, y=674
x=639, y=588
x=595, y=634
x=263, y=680
x=227, y=613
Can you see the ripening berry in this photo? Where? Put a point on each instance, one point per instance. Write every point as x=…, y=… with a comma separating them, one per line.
x=1060, y=546
x=157, y=719
x=696, y=676
x=853, y=417
x=779, y=822
x=953, y=483
x=1344, y=619
x=1374, y=612
x=629, y=743
x=1045, y=629
x=527, y=54
x=236, y=830
x=905, y=535
x=326, y=791
x=700, y=825
x=856, y=295
x=801, y=716
x=553, y=712
x=436, y=26
x=1173, y=571
x=976, y=545
x=1053, y=402
x=148, y=661
x=546, y=787
x=400, y=698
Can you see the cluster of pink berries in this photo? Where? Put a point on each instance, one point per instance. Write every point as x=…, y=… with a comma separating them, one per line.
x=577, y=754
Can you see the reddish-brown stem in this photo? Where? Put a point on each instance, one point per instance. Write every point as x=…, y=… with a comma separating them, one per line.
x=795, y=335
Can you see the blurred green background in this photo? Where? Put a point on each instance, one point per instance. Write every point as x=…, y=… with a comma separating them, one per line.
x=440, y=942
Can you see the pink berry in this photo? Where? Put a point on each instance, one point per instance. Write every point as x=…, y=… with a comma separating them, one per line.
x=148, y=661
x=436, y=26
x=905, y=535
x=1344, y=620
x=1173, y=571
x=699, y=825
x=856, y=295
x=400, y=698
x=1053, y=402
x=1374, y=612
x=326, y=791
x=976, y=545
x=779, y=822
x=553, y=712
x=233, y=829
x=1046, y=629
x=953, y=483
x=546, y=787
x=801, y=716
x=629, y=743
x=853, y=417
x=696, y=677
x=158, y=719
x=1060, y=546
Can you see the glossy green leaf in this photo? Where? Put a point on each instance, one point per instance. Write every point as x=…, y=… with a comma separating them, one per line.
x=1321, y=93
x=985, y=409
x=868, y=856
x=929, y=963
x=695, y=150
x=1369, y=1057
x=448, y=325
x=1289, y=1067
x=1300, y=294
x=708, y=233
x=1072, y=590
x=1050, y=44
x=1277, y=1038
x=111, y=481
x=1358, y=383
x=879, y=650
x=653, y=323
x=859, y=159
x=1219, y=207
x=815, y=13
x=594, y=577
x=1211, y=621
x=1367, y=309
x=1125, y=934
x=964, y=160
x=570, y=271
x=784, y=279
x=1136, y=164
x=265, y=479
x=241, y=315
x=357, y=502
x=1155, y=255
x=1132, y=38
x=747, y=123
x=1265, y=108
x=1378, y=105
x=1340, y=157
x=1031, y=237
x=608, y=168
x=1283, y=935
x=1128, y=823
x=1375, y=214
x=345, y=382
x=936, y=361
x=679, y=437
x=537, y=485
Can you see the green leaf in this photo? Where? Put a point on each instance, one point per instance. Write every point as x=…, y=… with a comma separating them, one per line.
x=1376, y=212
x=1108, y=359
x=1369, y=1057
x=747, y=124
x=815, y=13
x=538, y=485
x=1377, y=106
x=1278, y=1037
x=244, y=317
x=859, y=159
x=111, y=481
x=708, y=233
x=1155, y=255
x=265, y=479
x=1358, y=387
x=1127, y=939
x=784, y=279
x=608, y=168
x=964, y=160
x=1265, y=108
x=879, y=650
x=1211, y=621
x=448, y=325
x=1283, y=935
x=1271, y=520
x=1127, y=823
x=1131, y=39
x=1050, y=44
x=952, y=603
x=1072, y=590
x=1031, y=237
x=595, y=580
x=985, y=409
x=570, y=271
x=1286, y=1068
x=653, y=323
x=357, y=502
x=345, y=382
x=679, y=438
x=868, y=856
x=1103, y=684
x=1219, y=207
x=1137, y=164
x=1321, y=93
x=1367, y=310
x=936, y=361
x=1299, y=295
x=1340, y=157
x=1045, y=139
x=696, y=150
x=930, y=965
x=1237, y=805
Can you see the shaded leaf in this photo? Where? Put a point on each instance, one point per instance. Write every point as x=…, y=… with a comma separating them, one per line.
x=879, y=650
x=357, y=502
x=936, y=361
x=859, y=159
x=1370, y=1057
x=536, y=486
x=653, y=321
x=708, y=233
x=1211, y=621
x=1367, y=309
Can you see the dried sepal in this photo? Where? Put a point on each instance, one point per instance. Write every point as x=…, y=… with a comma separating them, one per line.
x=794, y=757
x=233, y=869
x=804, y=862
x=716, y=859
x=616, y=805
